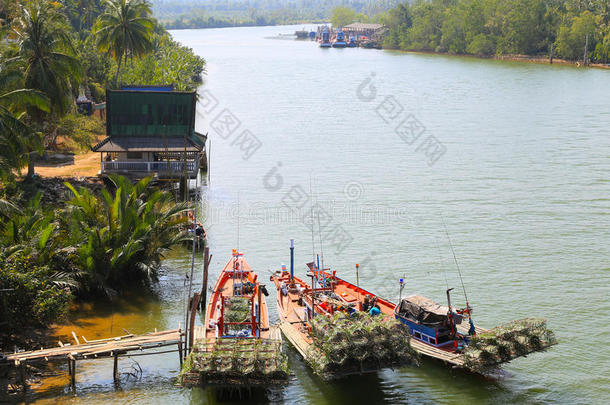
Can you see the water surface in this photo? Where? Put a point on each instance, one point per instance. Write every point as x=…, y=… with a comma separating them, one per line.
x=522, y=188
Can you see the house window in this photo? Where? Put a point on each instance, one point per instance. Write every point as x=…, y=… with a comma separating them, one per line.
x=134, y=155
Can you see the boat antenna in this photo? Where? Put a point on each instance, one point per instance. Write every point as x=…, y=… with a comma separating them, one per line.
x=455, y=259
x=320, y=236
x=313, y=248
x=238, y=222
x=440, y=261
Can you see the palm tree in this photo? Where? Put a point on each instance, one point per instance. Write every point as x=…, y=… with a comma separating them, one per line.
x=44, y=56
x=17, y=139
x=46, y=53
x=125, y=29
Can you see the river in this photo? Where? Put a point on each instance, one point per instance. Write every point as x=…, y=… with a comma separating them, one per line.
x=513, y=158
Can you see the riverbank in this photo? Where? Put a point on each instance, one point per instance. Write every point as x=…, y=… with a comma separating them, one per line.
x=513, y=58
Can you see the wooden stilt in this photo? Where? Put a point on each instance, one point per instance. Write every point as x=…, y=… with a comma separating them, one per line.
x=180, y=352
x=115, y=370
x=24, y=381
x=73, y=376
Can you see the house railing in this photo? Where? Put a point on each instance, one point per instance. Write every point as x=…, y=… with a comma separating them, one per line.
x=165, y=168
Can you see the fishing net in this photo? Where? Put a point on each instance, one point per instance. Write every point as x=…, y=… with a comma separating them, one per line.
x=506, y=342
x=236, y=361
x=345, y=344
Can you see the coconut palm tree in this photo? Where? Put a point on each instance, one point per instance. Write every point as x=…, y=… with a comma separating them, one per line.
x=125, y=29
x=45, y=53
x=44, y=56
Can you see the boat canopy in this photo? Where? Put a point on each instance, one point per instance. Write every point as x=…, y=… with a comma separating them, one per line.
x=424, y=310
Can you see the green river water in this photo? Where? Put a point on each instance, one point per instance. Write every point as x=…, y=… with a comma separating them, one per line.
x=514, y=158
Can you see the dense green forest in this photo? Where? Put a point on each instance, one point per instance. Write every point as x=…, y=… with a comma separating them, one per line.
x=80, y=244
x=499, y=27
x=222, y=13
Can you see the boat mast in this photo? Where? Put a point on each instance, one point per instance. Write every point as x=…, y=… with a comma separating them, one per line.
x=456, y=263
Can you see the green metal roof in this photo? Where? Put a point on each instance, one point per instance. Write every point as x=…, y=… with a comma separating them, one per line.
x=132, y=113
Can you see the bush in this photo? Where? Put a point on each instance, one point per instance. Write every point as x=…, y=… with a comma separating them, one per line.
x=80, y=131
x=30, y=298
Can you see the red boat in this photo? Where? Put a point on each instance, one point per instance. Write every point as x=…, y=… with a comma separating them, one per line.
x=237, y=293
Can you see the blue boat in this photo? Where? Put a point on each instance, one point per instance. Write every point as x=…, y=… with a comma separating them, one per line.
x=339, y=41
x=432, y=323
x=352, y=42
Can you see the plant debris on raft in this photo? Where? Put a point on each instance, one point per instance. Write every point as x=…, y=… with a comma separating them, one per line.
x=235, y=362
x=506, y=342
x=347, y=344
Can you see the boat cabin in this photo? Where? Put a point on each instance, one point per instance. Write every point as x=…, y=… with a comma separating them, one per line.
x=151, y=131
x=427, y=320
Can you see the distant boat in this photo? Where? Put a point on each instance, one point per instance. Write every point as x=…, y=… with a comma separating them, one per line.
x=352, y=42
x=339, y=41
x=312, y=35
x=325, y=39
x=303, y=34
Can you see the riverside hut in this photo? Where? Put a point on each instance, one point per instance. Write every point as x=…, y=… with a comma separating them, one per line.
x=151, y=131
x=365, y=31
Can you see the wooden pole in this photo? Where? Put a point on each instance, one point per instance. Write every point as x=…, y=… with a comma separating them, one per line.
x=551, y=56
x=180, y=351
x=204, y=285
x=194, y=306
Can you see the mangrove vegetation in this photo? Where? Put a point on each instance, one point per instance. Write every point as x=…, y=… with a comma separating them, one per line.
x=568, y=29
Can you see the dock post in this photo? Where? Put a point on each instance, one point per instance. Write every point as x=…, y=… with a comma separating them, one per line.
x=180, y=350
x=191, y=330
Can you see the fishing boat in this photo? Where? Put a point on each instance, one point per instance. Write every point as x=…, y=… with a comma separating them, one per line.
x=314, y=315
x=352, y=42
x=339, y=41
x=324, y=39
x=237, y=307
x=439, y=332
x=236, y=347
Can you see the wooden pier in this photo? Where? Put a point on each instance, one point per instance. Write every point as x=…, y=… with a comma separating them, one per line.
x=100, y=348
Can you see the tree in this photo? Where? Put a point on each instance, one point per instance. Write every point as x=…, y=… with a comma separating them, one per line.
x=125, y=30
x=342, y=16
x=46, y=53
x=573, y=37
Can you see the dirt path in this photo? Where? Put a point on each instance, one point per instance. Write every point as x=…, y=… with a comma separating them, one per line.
x=85, y=165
